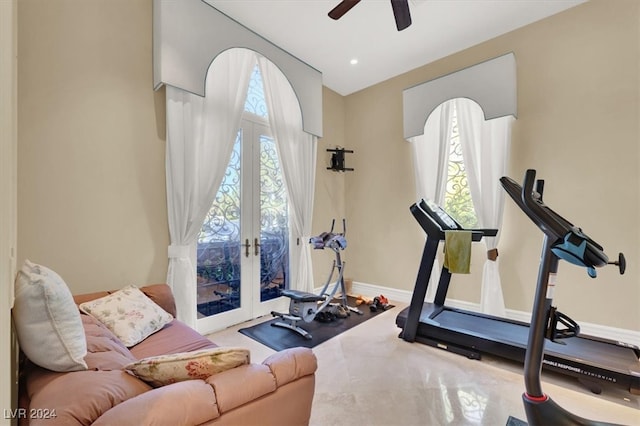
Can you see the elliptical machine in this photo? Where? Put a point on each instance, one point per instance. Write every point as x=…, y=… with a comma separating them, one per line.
x=304, y=306
x=562, y=240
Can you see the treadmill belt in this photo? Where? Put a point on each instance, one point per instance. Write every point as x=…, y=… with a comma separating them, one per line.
x=485, y=328
x=592, y=352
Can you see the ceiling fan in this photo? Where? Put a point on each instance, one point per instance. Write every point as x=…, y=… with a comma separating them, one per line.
x=400, y=11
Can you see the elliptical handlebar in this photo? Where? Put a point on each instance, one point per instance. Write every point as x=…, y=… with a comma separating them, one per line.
x=330, y=239
x=344, y=227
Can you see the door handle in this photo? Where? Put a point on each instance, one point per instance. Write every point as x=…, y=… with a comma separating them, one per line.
x=256, y=246
x=246, y=247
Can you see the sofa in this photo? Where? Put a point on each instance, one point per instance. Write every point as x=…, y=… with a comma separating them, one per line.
x=278, y=391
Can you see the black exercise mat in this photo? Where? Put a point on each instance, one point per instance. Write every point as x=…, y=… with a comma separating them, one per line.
x=278, y=338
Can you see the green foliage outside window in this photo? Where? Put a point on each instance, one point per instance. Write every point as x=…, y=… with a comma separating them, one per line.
x=459, y=205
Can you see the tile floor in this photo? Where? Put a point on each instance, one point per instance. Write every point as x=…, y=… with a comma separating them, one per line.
x=369, y=376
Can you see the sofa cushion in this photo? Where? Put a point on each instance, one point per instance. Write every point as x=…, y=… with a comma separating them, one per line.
x=104, y=350
x=129, y=314
x=47, y=320
x=166, y=369
x=175, y=337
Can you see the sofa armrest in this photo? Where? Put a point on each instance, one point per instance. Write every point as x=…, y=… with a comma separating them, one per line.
x=261, y=379
x=291, y=364
x=79, y=397
x=205, y=401
x=184, y=403
x=240, y=385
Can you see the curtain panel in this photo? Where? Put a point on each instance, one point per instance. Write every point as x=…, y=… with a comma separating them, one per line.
x=297, y=151
x=485, y=149
x=430, y=161
x=200, y=136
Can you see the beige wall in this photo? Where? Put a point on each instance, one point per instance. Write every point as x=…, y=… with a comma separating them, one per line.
x=8, y=195
x=578, y=110
x=92, y=202
x=329, y=201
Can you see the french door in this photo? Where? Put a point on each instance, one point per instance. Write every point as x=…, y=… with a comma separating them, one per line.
x=243, y=246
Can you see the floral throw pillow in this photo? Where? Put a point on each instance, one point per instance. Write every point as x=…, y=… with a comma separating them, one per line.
x=129, y=314
x=166, y=369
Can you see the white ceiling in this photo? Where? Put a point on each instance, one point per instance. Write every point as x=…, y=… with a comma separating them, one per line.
x=368, y=32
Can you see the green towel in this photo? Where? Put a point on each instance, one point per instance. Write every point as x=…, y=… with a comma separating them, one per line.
x=457, y=251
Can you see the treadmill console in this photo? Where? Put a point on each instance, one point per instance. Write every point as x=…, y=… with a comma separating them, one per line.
x=441, y=217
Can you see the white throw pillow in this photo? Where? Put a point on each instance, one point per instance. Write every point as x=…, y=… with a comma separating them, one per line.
x=166, y=369
x=47, y=320
x=129, y=314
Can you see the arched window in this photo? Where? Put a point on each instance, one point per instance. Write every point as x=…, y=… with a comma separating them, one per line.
x=205, y=100
x=458, y=162
x=484, y=132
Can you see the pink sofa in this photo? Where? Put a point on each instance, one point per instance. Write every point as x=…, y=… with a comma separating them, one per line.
x=279, y=391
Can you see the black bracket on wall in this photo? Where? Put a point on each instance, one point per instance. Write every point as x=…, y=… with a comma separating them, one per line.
x=337, y=160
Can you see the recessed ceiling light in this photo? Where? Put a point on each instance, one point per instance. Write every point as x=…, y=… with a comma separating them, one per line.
x=354, y=61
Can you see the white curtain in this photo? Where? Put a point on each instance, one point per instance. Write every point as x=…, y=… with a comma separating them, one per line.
x=430, y=162
x=485, y=149
x=297, y=153
x=200, y=137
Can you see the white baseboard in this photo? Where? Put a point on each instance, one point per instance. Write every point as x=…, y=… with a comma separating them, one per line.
x=404, y=296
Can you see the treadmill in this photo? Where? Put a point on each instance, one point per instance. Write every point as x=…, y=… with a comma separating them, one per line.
x=595, y=362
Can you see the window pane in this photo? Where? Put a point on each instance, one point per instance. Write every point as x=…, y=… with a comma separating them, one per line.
x=218, y=264
x=274, y=223
x=458, y=196
x=255, y=102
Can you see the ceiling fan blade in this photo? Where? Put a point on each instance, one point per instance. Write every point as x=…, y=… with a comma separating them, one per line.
x=401, y=13
x=343, y=7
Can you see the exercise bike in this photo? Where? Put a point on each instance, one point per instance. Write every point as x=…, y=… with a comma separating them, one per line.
x=305, y=306
x=562, y=240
